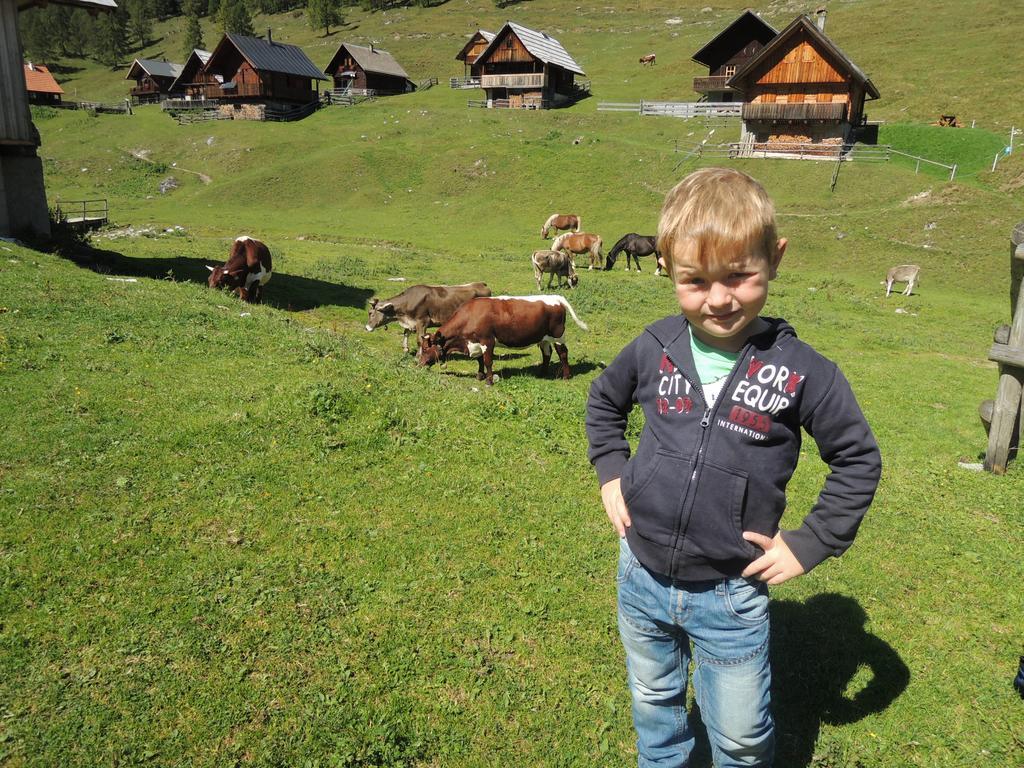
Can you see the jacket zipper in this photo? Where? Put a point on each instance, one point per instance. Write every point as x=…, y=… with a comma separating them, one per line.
x=691, y=492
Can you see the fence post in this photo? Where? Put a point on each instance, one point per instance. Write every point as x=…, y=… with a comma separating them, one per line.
x=952, y=174
x=918, y=166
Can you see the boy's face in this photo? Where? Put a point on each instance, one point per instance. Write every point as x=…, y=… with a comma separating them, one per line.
x=722, y=300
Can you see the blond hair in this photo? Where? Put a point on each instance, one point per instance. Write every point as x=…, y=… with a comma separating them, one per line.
x=714, y=213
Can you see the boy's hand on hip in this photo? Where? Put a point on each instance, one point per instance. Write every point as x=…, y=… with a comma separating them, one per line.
x=777, y=564
x=615, y=506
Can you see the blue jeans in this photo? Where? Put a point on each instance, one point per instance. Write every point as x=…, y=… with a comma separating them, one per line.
x=727, y=623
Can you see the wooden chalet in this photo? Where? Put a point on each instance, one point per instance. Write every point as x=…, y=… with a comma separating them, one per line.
x=524, y=68
x=471, y=51
x=728, y=52
x=153, y=79
x=801, y=88
x=357, y=68
x=187, y=84
x=252, y=70
x=41, y=87
x=23, y=208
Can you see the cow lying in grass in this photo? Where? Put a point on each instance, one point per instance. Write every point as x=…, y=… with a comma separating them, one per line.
x=419, y=307
x=481, y=324
x=554, y=263
x=246, y=271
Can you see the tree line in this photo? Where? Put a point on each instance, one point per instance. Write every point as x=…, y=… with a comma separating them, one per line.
x=58, y=32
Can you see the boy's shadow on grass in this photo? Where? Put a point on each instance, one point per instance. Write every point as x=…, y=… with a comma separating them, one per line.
x=284, y=291
x=817, y=649
x=530, y=368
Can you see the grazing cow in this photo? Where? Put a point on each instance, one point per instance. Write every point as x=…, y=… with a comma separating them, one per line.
x=481, y=324
x=554, y=263
x=635, y=246
x=246, y=271
x=906, y=273
x=580, y=242
x=419, y=307
x=650, y=58
x=559, y=222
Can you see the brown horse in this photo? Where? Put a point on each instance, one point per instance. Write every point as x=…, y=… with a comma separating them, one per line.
x=650, y=58
x=580, y=242
x=560, y=221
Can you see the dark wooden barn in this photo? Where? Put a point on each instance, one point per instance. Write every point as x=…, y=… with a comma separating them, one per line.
x=153, y=79
x=728, y=52
x=471, y=51
x=187, y=85
x=253, y=70
x=524, y=68
x=801, y=89
x=22, y=191
x=41, y=87
x=361, y=69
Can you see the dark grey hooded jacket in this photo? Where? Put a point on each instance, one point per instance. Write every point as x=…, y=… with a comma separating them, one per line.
x=702, y=476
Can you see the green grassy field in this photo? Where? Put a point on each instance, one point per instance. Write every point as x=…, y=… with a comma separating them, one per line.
x=236, y=535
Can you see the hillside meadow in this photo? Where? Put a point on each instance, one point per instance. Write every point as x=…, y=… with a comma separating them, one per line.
x=259, y=535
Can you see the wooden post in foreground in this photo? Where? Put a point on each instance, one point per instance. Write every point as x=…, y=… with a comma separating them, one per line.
x=1010, y=356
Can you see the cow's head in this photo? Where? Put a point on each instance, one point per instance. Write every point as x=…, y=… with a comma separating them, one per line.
x=380, y=314
x=431, y=348
x=220, y=277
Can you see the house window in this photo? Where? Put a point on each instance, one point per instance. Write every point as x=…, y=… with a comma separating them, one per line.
x=508, y=42
x=730, y=70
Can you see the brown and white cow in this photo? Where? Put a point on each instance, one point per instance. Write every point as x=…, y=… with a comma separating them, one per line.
x=650, y=58
x=580, y=242
x=511, y=321
x=554, y=263
x=419, y=307
x=246, y=271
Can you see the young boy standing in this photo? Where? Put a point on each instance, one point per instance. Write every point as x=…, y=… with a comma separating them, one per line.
x=725, y=393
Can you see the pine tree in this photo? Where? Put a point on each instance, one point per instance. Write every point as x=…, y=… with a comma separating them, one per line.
x=140, y=21
x=193, y=33
x=110, y=41
x=234, y=17
x=323, y=13
x=213, y=9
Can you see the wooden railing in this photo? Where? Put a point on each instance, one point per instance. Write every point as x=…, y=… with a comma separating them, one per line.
x=683, y=109
x=464, y=82
x=802, y=111
x=88, y=213
x=173, y=105
x=426, y=84
x=712, y=83
x=528, y=80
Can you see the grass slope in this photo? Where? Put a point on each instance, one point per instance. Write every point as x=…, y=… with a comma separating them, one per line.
x=260, y=535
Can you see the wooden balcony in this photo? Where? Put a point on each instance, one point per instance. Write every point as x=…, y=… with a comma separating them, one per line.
x=802, y=111
x=715, y=83
x=528, y=80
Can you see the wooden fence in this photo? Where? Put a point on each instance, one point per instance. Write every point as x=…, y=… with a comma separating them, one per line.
x=1008, y=351
x=110, y=108
x=426, y=84
x=284, y=114
x=83, y=213
x=464, y=82
x=681, y=109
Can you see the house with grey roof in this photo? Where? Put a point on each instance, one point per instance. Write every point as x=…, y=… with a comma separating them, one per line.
x=526, y=69
x=367, y=69
x=470, y=52
x=153, y=79
x=185, y=85
x=261, y=72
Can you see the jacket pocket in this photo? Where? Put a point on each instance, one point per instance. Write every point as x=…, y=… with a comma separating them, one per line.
x=715, y=527
x=653, y=494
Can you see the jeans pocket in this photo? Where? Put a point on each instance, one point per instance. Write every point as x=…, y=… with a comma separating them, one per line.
x=627, y=561
x=747, y=600
x=714, y=530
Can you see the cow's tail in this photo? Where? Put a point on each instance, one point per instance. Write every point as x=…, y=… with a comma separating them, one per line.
x=572, y=312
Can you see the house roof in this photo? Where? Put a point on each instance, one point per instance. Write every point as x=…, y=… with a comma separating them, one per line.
x=746, y=27
x=370, y=59
x=39, y=80
x=153, y=68
x=271, y=56
x=803, y=24
x=487, y=36
x=540, y=45
x=92, y=6
x=196, y=61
